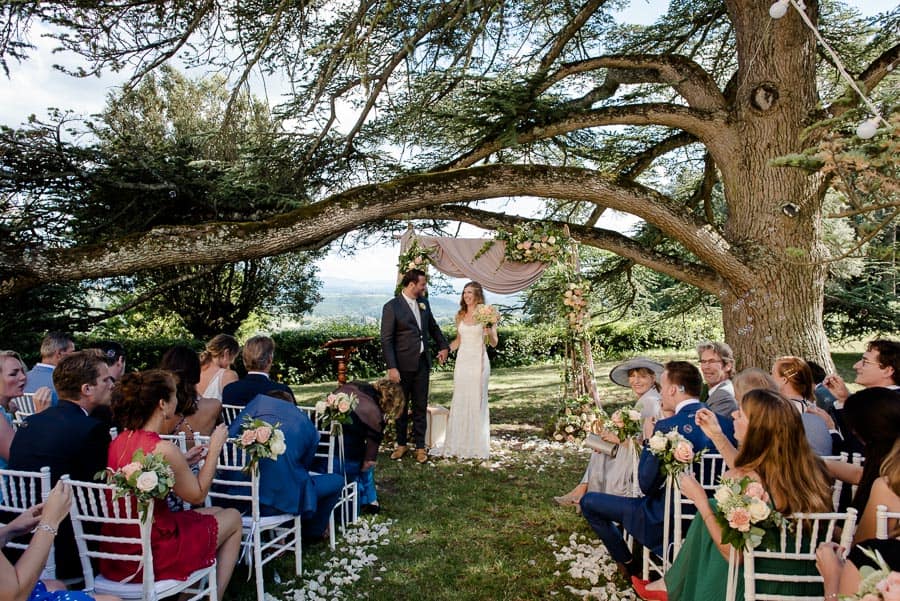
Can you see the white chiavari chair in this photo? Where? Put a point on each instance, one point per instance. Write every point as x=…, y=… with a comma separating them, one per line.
x=93, y=507
x=20, y=490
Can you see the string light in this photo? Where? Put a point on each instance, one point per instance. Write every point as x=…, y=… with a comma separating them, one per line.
x=868, y=128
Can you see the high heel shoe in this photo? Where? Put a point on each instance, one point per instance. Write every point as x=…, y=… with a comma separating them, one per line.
x=567, y=500
x=640, y=587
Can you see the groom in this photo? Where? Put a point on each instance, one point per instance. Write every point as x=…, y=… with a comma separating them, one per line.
x=406, y=323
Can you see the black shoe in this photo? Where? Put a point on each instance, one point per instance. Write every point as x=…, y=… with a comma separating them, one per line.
x=370, y=509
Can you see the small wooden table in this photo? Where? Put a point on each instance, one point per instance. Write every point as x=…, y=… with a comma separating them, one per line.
x=341, y=349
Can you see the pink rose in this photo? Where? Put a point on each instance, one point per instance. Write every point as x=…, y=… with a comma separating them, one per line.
x=890, y=587
x=756, y=490
x=330, y=400
x=526, y=245
x=131, y=468
x=617, y=420
x=263, y=433
x=344, y=406
x=684, y=452
x=248, y=438
x=740, y=519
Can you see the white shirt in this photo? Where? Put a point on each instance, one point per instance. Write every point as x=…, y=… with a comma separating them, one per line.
x=414, y=307
x=684, y=403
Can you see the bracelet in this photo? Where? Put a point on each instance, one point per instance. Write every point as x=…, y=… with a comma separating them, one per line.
x=45, y=527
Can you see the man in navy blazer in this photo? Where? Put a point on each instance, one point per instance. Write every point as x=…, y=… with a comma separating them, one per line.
x=407, y=329
x=67, y=439
x=643, y=517
x=258, y=355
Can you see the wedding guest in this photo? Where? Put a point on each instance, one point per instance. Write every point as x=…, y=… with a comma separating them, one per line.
x=824, y=398
x=196, y=414
x=114, y=355
x=144, y=403
x=773, y=451
x=717, y=365
x=67, y=438
x=12, y=383
x=378, y=401
x=285, y=484
x=613, y=475
x=54, y=347
x=469, y=425
x=842, y=577
x=408, y=328
x=644, y=517
x=795, y=382
x=215, y=366
x=258, y=356
x=21, y=581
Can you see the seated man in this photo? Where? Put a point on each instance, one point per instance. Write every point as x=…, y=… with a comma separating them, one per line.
x=286, y=485
x=717, y=365
x=258, y=355
x=54, y=347
x=67, y=439
x=643, y=517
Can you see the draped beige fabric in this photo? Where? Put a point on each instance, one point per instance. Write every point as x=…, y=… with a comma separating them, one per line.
x=454, y=257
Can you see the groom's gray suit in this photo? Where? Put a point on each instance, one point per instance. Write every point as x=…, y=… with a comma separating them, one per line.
x=406, y=348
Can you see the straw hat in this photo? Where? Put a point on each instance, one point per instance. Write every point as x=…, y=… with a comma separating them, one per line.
x=619, y=374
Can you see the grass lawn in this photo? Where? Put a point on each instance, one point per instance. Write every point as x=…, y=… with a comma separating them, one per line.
x=472, y=530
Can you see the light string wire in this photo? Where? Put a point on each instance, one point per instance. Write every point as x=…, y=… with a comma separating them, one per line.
x=838, y=63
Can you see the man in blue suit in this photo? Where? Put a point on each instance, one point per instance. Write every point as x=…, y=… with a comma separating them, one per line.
x=258, y=355
x=643, y=517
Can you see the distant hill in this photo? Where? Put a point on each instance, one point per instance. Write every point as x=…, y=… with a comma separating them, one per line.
x=362, y=301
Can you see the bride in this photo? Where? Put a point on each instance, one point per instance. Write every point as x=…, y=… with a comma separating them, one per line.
x=469, y=426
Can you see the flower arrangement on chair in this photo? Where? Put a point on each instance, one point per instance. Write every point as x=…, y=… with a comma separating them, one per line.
x=746, y=515
x=676, y=453
x=260, y=440
x=146, y=478
x=876, y=584
x=335, y=410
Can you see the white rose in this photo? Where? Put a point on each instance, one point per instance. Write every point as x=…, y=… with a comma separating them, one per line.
x=673, y=435
x=723, y=494
x=147, y=481
x=277, y=446
x=634, y=415
x=658, y=442
x=758, y=511
x=320, y=407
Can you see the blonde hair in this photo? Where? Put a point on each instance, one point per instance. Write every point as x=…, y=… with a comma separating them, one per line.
x=890, y=468
x=391, y=397
x=218, y=346
x=750, y=379
x=479, y=300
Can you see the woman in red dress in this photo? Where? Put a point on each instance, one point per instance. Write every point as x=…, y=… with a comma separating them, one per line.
x=144, y=404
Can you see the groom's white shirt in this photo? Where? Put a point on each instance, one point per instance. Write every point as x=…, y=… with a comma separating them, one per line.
x=414, y=307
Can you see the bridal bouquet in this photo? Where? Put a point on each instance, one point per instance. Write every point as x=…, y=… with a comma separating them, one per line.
x=675, y=452
x=745, y=513
x=624, y=423
x=877, y=584
x=260, y=440
x=336, y=408
x=146, y=478
x=487, y=315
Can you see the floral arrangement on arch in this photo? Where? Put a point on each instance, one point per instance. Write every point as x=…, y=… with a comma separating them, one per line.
x=260, y=440
x=876, y=584
x=746, y=515
x=335, y=410
x=575, y=419
x=675, y=452
x=147, y=477
x=531, y=242
x=575, y=306
x=415, y=257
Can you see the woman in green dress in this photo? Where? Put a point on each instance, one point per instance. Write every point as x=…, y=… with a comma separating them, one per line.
x=774, y=451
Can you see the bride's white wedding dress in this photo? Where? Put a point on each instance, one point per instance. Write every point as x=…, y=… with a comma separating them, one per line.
x=469, y=426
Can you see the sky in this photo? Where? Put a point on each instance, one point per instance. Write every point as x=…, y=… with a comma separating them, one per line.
x=35, y=85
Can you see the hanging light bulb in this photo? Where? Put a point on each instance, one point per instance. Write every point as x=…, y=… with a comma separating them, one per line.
x=868, y=128
x=779, y=9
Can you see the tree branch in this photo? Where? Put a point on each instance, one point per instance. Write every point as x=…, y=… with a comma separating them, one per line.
x=315, y=225
x=637, y=164
x=691, y=273
x=869, y=78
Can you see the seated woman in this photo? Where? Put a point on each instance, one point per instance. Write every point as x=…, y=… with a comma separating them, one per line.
x=215, y=366
x=613, y=475
x=794, y=379
x=196, y=414
x=842, y=577
x=17, y=580
x=144, y=404
x=773, y=450
x=378, y=401
x=13, y=376
x=286, y=485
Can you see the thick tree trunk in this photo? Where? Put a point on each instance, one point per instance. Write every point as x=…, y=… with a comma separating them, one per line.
x=775, y=213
